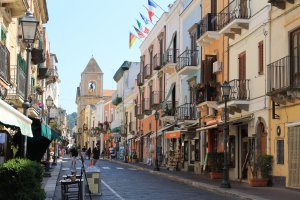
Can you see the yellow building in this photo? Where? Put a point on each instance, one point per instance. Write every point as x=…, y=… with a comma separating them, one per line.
x=283, y=87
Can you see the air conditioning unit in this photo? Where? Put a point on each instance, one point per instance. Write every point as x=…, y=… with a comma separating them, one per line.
x=217, y=67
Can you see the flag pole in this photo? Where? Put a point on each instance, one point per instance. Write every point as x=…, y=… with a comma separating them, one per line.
x=159, y=6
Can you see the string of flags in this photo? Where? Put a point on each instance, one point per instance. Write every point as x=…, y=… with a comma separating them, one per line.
x=142, y=30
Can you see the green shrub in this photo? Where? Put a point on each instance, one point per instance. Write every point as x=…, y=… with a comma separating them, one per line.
x=21, y=179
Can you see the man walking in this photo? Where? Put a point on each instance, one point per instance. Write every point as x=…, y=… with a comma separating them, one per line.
x=96, y=154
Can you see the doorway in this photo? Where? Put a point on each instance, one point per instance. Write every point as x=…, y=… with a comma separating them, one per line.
x=243, y=171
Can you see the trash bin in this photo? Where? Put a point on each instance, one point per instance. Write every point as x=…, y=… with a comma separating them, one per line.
x=94, y=180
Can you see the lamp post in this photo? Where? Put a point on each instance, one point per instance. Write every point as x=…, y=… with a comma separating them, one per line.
x=225, y=94
x=125, y=150
x=49, y=104
x=29, y=28
x=156, y=115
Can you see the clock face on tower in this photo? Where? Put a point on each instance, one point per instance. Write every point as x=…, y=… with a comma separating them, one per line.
x=91, y=86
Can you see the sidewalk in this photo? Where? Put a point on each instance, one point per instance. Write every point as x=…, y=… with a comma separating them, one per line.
x=238, y=190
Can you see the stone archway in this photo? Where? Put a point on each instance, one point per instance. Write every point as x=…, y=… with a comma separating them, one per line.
x=261, y=136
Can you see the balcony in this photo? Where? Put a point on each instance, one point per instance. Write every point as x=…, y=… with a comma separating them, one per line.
x=156, y=99
x=235, y=17
x=35, y=106
x=283, y=76
x=157, y=61
x=116, y=126
x=52, y=76
x=18, y=7
x=132, y=127
x=169, y=111
x=42, y=71
x=147, y=71
x=146, y=108
x=187, y=112
x=116, y=100
x=4, y=64
x=188, y=62
x=138, y=111
x=281, y=4
x=170, y=60
x=140, y=79
x=239, y=98
x=207, y=31
x=207, y=95
x=16, y=93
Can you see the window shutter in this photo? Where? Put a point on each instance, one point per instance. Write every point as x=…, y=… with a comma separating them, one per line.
x=261, y=58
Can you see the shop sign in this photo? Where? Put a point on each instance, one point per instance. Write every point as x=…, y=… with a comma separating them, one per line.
x=172, y=134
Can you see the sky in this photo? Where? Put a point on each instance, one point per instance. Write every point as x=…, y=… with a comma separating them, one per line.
x=80, y=29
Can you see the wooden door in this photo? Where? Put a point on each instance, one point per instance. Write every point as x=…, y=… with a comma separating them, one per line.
x=241, y=84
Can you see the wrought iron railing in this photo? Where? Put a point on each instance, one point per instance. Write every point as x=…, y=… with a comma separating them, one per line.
x=207, y=93
x=140, y=79
x=187, y=58
x=170, y=56
x=239, y=89
x=187, y=111
x=283, y=74
x=236, y=9
x=169, y=108
x=18, y=79
x=208, y=23
x=157, y=61
x=147, y=71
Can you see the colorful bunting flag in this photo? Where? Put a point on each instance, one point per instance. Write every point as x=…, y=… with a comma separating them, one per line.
x=140, y=34
x=151, y=3
x=144, y=18
x=150, y=13
x=139, y=24
x=146, y=30
x=132, y=39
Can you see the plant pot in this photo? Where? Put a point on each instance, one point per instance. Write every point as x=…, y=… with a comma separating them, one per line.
x=258, y=182
x=216, y=175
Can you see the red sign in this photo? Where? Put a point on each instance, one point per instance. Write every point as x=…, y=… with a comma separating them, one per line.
x=172, y=134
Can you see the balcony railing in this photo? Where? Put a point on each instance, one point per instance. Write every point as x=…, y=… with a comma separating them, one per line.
x=187, y=111
x=208, y=23
x=239, y=89
x=4, y=63
x=237, y=9
x=207, y=93
x=170, y=56
x=116, y=99
x=18, y=79
x=146, y=105
x=187, y=58
x=147, y=71
x=157, y=61
x=140, y=79
x=52, y=76
x=283, y=74
x=156, y=98
x=169, y=108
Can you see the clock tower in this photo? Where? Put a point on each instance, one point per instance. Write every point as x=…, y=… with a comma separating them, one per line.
x=90, y=90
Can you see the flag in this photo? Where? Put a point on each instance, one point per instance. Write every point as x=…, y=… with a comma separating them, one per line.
x=132, y=38
x=140, y=34
x=150, y=13
x=144, y=18
x=146, y=30
x=139, y=24
x=151, y=3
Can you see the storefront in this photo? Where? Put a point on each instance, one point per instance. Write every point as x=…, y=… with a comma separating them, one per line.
x=174, y=148
x=11, y=122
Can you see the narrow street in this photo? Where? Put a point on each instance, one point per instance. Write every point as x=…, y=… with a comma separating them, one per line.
x=120, y=182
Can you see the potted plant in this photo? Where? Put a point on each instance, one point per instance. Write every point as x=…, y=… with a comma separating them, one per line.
x=260, y=167
x=216, y=160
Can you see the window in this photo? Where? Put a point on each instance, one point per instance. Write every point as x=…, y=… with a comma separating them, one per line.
x=261, y=58
x=186, y=151
x=280, y=152
x=197, y=150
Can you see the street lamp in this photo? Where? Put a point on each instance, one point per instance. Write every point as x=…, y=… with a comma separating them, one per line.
x=29, y=28
x=156, y=116
x=225, y=94
x=125, y=151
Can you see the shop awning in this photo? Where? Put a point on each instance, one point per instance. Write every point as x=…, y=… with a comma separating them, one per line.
x=55, y=135
x=116, y=129
x=207, y=127
x=160, y=131
x=46, y=131
x=173, y=134
x=12, y=117
x=293, y=124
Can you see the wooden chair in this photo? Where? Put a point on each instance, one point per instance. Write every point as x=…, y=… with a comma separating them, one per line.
x=71, y=190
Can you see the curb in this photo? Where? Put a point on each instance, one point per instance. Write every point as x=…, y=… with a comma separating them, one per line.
x=51, y=183
x=227, y=192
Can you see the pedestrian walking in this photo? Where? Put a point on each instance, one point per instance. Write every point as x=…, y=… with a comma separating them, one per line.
x=74, y=154
x=83, y=152
x=111, y=153
x=96, y=154
x=89, y=152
